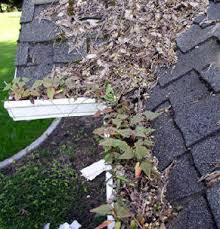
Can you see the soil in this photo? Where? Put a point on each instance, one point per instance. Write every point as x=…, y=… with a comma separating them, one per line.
x=74, y=141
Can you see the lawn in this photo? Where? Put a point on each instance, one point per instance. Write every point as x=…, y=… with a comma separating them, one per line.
x=14, y=136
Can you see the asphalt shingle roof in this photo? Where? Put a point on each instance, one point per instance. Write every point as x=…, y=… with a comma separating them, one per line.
x=38, y=47
x=189, y=133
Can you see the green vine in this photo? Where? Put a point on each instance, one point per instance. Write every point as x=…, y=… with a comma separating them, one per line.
x=126, y=137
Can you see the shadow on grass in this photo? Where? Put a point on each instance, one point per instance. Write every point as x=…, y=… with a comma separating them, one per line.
x=14, y=136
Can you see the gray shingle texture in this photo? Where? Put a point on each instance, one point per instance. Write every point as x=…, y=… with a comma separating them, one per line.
x=38, y=50
x=190, y=133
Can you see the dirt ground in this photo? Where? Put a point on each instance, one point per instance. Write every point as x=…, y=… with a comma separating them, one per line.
x=73, y=141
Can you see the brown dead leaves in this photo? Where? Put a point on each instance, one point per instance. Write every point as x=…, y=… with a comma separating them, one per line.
x=126, y=39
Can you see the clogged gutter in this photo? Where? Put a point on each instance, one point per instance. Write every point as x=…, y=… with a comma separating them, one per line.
x=127, y=41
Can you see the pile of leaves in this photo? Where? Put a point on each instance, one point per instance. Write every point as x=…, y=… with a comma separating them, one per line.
x=126, y=40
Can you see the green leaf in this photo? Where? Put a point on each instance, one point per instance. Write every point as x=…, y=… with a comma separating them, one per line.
x=26, y=93
x=100, y=131
x=108, y=158
x=141, y=131
x=117, y=122
x=51, y=92
x=35, y=93
x=117, y=225
x=122, y=211
x=149, y=131
x=127, y=155
x=133, y=224
x=149, y=115
x=104, y=209
x=16, y=80
x=7, y=86
x=47, y=83
x=125, y=133
x=110, y=94
x=122, y=116
x=147, y=142
x=37, y=84
x=141, y=152
x=136, y=119
x=25, y=79
x=56, y=82
x=116, y=143
x=147, y=167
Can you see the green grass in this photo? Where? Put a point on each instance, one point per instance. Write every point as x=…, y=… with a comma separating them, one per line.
x=46, y=188
x=14, y=136
x=38, y=194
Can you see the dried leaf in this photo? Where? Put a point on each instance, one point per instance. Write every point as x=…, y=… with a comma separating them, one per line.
x=138, y=170
x=104, y=224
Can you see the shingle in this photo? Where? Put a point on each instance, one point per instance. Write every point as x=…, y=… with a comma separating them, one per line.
x=183, y=180
x=22, y=54
x=34, y=72
x=168, y=141
x=62, y=54
x=199, y=120
x=27, y=11
x=214, y=11
x=213, y=195
x=212, y=76
x=38, y=31
x=39, y=2
x=186, y=91
x=198, y=58
x=206, y=153
x=40, y=54
x=195, y=215
x=195, y=35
